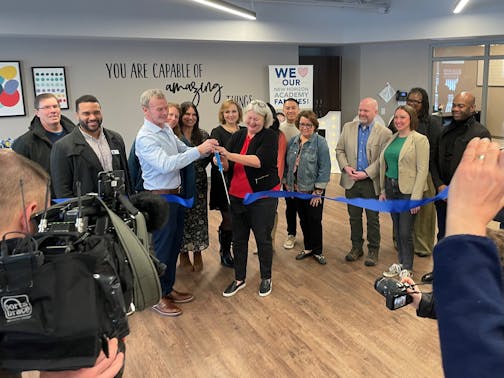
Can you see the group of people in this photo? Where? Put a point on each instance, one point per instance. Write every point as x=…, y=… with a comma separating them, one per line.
x=172, y=152
x=170, y=155
x=417, y=161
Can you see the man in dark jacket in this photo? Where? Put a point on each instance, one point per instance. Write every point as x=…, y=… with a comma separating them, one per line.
x=451, y=146
x=88, y=150
x=46, y=127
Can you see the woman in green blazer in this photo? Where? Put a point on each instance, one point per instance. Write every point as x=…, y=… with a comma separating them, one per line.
x=404, y=167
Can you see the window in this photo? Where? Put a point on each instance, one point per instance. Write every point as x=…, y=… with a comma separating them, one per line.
x=477, y=68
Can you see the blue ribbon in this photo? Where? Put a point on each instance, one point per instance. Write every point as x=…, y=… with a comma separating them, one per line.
x=388, y=206
x=189, y=202
x=186, y=202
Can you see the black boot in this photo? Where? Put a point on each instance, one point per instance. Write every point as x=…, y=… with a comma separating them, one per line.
x=225, y=239
x=428, y=277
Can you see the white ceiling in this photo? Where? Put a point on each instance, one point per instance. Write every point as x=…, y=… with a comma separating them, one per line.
x=301, y=22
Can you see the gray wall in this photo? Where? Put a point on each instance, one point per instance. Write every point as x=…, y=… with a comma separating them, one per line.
x=242, y=70
x=368, y=67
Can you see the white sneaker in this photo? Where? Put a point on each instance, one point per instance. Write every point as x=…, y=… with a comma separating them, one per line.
x=131, y=309
x=393, y=270
x=405, y=273
x=290, y=242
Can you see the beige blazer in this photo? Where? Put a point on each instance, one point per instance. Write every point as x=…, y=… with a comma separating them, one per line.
x=413, y=165
x=346, y=152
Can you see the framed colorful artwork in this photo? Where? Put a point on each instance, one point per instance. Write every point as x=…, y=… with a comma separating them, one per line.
x=11, y=90
x=51, y=80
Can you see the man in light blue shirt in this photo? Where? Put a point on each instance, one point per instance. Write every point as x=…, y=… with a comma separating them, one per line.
x=162, y=155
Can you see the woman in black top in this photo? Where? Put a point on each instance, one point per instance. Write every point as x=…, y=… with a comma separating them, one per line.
x=251, y=160
x=230, y=115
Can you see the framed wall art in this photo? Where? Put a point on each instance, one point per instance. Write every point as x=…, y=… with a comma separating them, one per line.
x=11, y=90
x=51, y=80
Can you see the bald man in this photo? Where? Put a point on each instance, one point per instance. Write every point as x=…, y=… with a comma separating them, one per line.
x=358, y=154
x=451, y=145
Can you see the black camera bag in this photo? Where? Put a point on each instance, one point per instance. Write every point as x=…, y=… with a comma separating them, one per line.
x=59, y=315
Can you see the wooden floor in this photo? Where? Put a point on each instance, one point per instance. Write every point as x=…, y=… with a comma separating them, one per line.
x=319, y=321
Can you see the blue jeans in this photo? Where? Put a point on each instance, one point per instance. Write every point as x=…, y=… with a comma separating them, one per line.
x=167, y=243
x=259, y=217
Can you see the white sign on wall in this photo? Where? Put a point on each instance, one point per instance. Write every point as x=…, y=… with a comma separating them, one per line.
x=291, y=82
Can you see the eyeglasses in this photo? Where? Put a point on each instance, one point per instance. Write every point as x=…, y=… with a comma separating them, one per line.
x=258, y=103
x=305, y=125
x=411, y=101
x=48, y=107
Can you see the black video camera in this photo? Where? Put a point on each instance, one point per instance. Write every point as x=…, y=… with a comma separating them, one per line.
x=65, y=290
x=395, y=292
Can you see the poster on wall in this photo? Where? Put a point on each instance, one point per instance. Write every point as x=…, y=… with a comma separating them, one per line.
x=51, y=80
x=11, y=91
x=294, y=81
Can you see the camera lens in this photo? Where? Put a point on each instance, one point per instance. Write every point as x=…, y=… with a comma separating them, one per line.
x=387, y=286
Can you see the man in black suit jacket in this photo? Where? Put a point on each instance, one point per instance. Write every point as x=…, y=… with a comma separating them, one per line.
x=85, y=152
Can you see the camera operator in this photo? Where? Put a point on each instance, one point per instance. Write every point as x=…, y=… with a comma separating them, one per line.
x=469, y=285
x=423, y=302
x=15, y=221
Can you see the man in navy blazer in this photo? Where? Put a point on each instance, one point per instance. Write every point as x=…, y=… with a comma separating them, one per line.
x=86, y=151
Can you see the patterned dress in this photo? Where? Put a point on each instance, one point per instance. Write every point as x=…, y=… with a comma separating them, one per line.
x=196, y=218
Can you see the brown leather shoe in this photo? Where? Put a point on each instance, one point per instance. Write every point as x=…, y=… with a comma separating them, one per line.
x=167, y=308
x=179, y=297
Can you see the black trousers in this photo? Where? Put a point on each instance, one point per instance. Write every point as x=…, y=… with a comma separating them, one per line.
x=290, y=215
x=311, y=224
x=259, y=217
x=441, y=207
x=363, y=189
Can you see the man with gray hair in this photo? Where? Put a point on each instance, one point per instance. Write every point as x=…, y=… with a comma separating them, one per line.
x=46, y=128
x=162, y=155
x=358, y=154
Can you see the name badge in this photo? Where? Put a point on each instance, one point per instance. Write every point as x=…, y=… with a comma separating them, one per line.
x=114, y=152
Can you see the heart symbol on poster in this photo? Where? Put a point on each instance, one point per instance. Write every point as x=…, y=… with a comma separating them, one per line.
x=303, y=71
